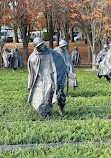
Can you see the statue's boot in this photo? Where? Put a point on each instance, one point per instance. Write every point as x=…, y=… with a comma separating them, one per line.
x=48, y=115
x=99, y=76
x=107, y=77
x=61, y=106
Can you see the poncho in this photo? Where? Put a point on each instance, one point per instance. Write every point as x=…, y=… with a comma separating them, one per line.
x=105, y=65
x=76, y=57
x=5, y=56
x=100, y=57
x=71, y=74
x=46, y=75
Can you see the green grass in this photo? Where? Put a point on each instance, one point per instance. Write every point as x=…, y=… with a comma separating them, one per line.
x=14, y=95
x=90, y=85
x=56, y=132
x=76, y=108
x=90, y=101
x=68, y=151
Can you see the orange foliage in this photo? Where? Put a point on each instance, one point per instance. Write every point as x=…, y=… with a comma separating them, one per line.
x=99, y=3
x=74, y=15
x=107, y=27
x=108, y=2
x=105, y=19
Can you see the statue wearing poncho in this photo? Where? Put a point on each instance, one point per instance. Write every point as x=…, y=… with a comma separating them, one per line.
x=6, y=55
x=101, y=55
x=76, y=57
x=16, y=59
x=105, y=65
x=68, y=61
x=46, y=77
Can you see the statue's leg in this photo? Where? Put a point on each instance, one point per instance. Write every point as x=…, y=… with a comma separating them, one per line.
x=107, y=77
x=61, y=102
x=100, y=76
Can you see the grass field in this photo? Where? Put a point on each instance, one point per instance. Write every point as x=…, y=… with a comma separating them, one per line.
x=86, y=119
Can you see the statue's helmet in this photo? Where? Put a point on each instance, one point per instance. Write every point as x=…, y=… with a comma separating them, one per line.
x=62, y=43
x=75, y=47
x=38, y=41
x=105, y=46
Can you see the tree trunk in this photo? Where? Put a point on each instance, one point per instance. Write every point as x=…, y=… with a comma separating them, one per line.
x=66, y=35
x=51, y=37
x=72, y=35
x=100, y=45
x=0, y=32
x=94, y=54
x=89, y=54
x=94, y=60
x=46, y=20
x=25, y=38
x=1, y=52
x=85, y=40
x=51, y=30
x=15, y=34
x=58, y=36
x=25, y=49
x=107, y=41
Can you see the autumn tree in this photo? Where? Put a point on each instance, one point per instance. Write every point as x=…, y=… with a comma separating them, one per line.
x=4, y=20
x=24, y=14
x=89, y=16
x=55, y=13
x=106, y=28
x=40, y=23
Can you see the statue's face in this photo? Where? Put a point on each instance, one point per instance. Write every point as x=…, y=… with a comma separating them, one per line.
x=63, y=48
x=41, y=47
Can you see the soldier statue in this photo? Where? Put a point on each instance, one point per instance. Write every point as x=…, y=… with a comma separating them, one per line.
x=105, y=65
x=16, y=59
x=47, y=73
x=6, y=56
x=101, y=55
x=76, y=57
x=62, y=49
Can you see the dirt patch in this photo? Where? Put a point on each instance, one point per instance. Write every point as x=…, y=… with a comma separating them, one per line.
x=82, y=47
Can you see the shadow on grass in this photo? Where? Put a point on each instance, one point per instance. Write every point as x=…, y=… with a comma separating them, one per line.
x=89, y=113
x=74, y=113
x=88, y=93
x=83, y=113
